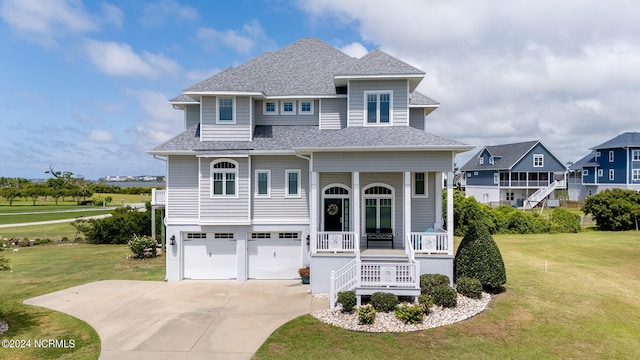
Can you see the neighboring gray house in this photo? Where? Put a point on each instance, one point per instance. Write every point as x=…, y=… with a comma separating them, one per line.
x=612, y=164
x=520, y=174
x=307, y=156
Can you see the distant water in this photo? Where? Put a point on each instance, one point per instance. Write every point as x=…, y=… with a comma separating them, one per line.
x=136, y=183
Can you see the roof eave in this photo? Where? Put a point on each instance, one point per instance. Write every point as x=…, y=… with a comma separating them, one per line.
x=171, y=152
x=454, y=148
x=228, y=93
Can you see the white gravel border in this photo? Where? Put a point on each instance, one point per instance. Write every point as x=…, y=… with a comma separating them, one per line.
x=3, y=326
x=387, y=322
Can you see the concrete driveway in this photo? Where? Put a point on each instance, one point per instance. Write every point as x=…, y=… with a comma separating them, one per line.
x=214, y=319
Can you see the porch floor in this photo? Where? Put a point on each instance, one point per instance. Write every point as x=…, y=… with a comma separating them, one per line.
x=384, y=252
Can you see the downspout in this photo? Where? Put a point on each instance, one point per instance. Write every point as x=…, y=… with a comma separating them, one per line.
x=309, y=202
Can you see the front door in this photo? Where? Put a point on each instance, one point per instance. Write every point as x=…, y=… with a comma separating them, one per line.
x=333, y=214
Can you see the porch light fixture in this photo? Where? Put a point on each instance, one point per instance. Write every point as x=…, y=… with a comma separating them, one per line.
x=173, y=240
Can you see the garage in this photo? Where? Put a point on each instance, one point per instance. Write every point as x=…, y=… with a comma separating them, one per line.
x=209, y=258
x=274, y=256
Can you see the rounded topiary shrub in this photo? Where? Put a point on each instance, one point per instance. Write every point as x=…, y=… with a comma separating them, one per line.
x=445, y=296
x=409, y=314
x=384, y=302
x=366, y=315
x=478, y=257
x=429, y=281
x=565, y=222
x=426, y=301
x=469, y=287
x=347, y=299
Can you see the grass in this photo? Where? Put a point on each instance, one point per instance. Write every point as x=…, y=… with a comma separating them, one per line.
x=39, y=270
x=26, y=204
x=48, y=231
x=26, y=218
x=569, y=296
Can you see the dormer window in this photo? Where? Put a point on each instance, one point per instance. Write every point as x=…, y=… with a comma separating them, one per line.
x=378, y=107
x=491, y=160
x=288, y=107
x=270, y=108
x=482, y=161
x=226, y=110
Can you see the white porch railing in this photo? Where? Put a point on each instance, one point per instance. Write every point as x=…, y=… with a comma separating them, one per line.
x=389, y=275
x=344, y=279
x=431, y=243
x=336, y=241
x=542, y=193
x=158, y=197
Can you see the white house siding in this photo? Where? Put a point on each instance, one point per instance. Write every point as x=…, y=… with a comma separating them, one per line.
x=182, y=197
x=483, y=194
x=297, y=119
x=416, y=118
x=395, y=180
x=191, y=115
x=277, y=206
x=224, y=209
x=422, y=161
x=400, y=113
x=238, y=131
x=423, y=209
x=333, y=114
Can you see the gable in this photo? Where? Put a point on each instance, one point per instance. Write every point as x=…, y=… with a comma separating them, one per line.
x=550, y=162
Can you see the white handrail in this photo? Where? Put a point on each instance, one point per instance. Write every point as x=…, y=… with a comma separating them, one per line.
x=436, y=242
x=344, y=279
x=336, y=241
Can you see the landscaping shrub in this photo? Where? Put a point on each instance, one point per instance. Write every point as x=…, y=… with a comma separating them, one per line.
x=118, y=228
x=409, y=314
x=426, y=301
x=429, y=281
x=4, y=262
x=445, y=296
x=614, y=209
x=138, y=245
x=383, y=301
x=347, y=299
x=564, y=221
x=366, y=315
x=469, y=287
x=478, y=257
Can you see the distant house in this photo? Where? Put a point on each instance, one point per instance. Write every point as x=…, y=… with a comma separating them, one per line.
x=520, y=174
x=612, y=164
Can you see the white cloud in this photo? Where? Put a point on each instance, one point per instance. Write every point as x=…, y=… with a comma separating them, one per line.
x=199, y=75
x=250, y=37
x=118, y=59
x=157, y=12
x=158, y=122
x=101, y=136
x=355, y=50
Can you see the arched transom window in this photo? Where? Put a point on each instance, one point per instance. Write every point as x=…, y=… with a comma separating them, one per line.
x=224, y=174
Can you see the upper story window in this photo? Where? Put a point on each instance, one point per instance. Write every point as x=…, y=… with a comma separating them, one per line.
x=378, y=107
x=224, y=174
x=538, y=160
x=636, y=175
x=496, y=178
x=611, y=156
x=305, y=107
x=597, y=154
x=270, y=108
x=288, y=107
x=600, y=173
x=263, y=183
x=482, y=160
x=636, y=155
x=611, y=174
x=226, y=110
x=292, y=185
x=419, y=185
x=491, y=161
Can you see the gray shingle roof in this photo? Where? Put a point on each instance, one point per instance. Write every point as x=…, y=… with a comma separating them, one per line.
x=587, y=160
x=628, y=139
x=183, y=99
x=291, y=138
x=505, y=156
x=378, y=62
x=417, y=98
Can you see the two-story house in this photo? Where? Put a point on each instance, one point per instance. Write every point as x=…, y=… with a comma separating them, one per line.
x=612, y=164
x=521, y=174
x=307, y=156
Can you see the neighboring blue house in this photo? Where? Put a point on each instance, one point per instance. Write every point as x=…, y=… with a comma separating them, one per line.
x=307, y=156
x=520, y=174
x=612, y=164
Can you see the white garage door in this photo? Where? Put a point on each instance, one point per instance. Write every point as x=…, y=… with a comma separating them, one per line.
x=274, y=258
x=209, y=259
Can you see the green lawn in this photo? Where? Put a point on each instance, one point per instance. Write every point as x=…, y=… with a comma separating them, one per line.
x=586, y=305
x=50, y=231
x=40, y=216
x=26, y=204
x=43, y=269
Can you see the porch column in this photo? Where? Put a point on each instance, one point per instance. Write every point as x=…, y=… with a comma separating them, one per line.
x=438, y=187
x=313, y=210
x=407, y=206
x=355, y=186
x=450, y=211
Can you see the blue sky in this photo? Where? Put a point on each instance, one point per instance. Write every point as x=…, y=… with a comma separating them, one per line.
x=84, y=84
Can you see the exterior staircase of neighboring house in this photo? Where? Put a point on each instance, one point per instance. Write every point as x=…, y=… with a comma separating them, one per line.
x=542, y=194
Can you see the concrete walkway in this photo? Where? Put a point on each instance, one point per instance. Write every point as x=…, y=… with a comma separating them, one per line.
x=214, y=319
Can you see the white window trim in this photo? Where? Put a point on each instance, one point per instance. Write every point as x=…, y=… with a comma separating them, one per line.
x=426, y=185
x=585, y=172
x=264, y=107
x=600, y=173
x=286, y=184
x=268, y=194
x=233, y=114
x=293, y=108
x=491, y=161
x=611, y=156
x=636, y=175
x=305, y=112
x=236, y=171
x=482, y=160
x=635, y=155
x=496, y=178
x=612, y=174
x=366, y=108
x=363, y=215
x=541, y=158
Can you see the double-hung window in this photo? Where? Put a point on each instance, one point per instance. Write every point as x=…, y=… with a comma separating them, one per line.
x=538, y=160
x=378, y=107
x=419, y=184
x=224, y=174
x=611, y=156
x=292, y=183
x=636, y=175
x=226, y=110
x=263, y=183
x=636, y=155
x=612, y=174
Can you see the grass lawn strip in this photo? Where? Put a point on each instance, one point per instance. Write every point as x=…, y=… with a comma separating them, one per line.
x=48, y=216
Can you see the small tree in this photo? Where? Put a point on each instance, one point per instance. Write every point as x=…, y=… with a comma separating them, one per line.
x=478, y=256
x=10, y=194
x=614, y=209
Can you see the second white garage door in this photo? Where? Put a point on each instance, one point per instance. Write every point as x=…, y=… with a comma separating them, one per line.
x=274, y=258
x=206, y=259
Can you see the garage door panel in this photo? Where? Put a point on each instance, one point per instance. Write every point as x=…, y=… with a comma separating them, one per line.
x=274, y=258
x=209, y=259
